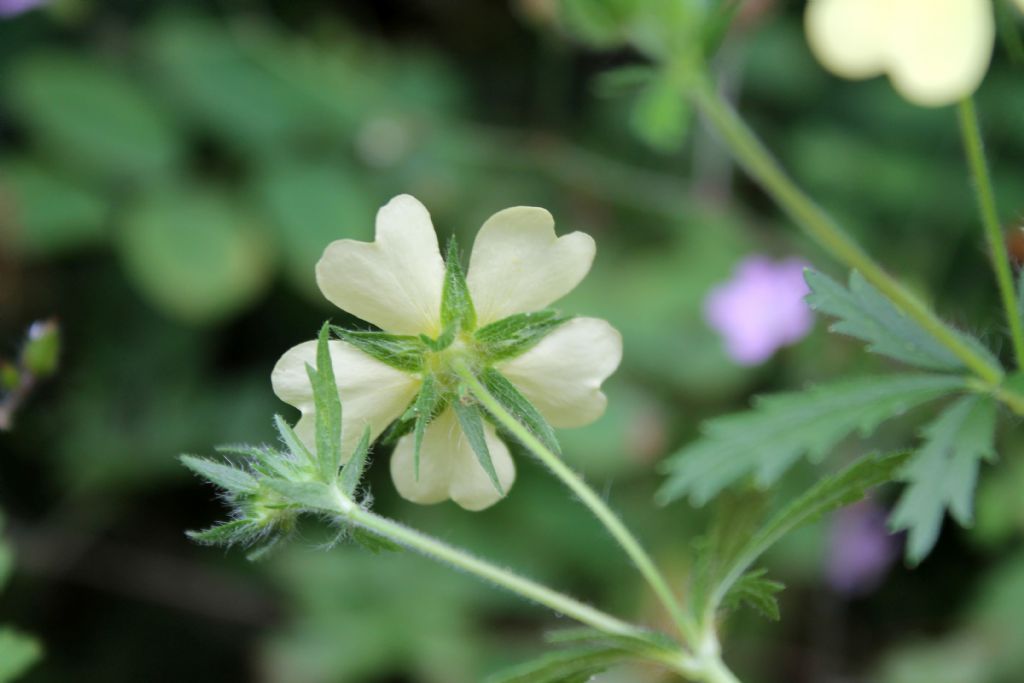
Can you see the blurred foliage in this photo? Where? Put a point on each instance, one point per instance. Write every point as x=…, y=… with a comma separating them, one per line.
x=169, y=174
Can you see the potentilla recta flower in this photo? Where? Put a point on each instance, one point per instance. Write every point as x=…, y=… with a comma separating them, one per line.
x=500, y=328
x=761, y=309
x=935, y=52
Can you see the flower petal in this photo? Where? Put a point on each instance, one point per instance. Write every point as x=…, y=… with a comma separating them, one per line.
x=849, y=37
x=943, y=49
x=393, y=282
x=372, y=393
x=449, y=467
x=562, y=375
x=519, y=265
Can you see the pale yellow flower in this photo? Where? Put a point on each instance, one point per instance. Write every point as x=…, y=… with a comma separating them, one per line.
x=935, y=52
x=517, y=265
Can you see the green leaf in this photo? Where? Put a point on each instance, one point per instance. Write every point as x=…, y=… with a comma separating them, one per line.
x=328, y=409
x=831, y=493
x=194, y=253
x=471, y=420
x=782, y=428
x=865, y=313
x=519, y=407
x=18, y=652
x=92, y=116
x=6, y=563
x=292, y=442
x=516, y=334
x=661, y=115
x=425, y=409
x=310, y=495
x=944, y=472
x=402, y=352
x=227, y=477
x=576, y=665
x=456, y=304
x=754, y=590
x=352, y=473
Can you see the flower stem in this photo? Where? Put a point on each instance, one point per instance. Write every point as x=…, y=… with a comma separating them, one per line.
x=604, y=514
x=460, y=559
x=760, y=164
x=975, y=150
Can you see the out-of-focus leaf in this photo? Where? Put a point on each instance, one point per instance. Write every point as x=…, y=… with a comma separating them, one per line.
x=576, y=665
x=944, y=472
x=866, y=314
x=44, y=213
x=18, y=653
x=754, y=590
x=92, y=115
x=194, y=254
x=601, y=23
x=311, y=205
x=780, y=429
x=661, y=115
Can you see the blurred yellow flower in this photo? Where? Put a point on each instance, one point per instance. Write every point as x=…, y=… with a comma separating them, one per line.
x=935, y=52
x=517, y=265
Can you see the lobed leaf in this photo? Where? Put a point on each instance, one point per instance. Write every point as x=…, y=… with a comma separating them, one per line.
x=227, y=477
x=402, y=352
x=516, y=334
x=519, y=407
x=472, y=422
x=780, y=429
x=328, y=409
x=944, y=472
x=865, y=313
x=456, y=303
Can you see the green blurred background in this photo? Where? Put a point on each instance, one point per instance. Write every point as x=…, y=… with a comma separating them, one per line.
x=171, y=171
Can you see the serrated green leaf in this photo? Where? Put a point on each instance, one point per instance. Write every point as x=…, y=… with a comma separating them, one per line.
x=831, y=493
x=943, y=474
x=328, y=409
x=227, y=477
x=519, y=407
x=780, y=429
x=18, y=652
x=311, y=495
x=402, y=352
x=425, y=409
x=865, y=313
x=292, y=442
x=754, y=590
x=472, y=422
x=516, y=334
x=352, y=473
x=456, y=304
x=564, y=666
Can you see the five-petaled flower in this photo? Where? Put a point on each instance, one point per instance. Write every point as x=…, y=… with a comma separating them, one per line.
x=935, y=52
x=397, y=283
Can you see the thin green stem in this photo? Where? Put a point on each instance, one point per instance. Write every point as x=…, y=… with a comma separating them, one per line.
x=604, y=514
x=760, y=164
x=438, y=550
x=974, y=148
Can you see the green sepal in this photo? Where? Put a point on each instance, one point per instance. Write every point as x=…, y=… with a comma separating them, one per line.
x=227, y=477
x=456, y=303
x=516, y=334
x=236, y=532
x=400, y=351
x=18, y=653
x=374, y=543
x=443, y=341
x=520, y=408
x=262, y=459
x=425, y=408
x=292, y=442
x=308, y=495
x=352, y=472
x=328, y=409
x=472, y=422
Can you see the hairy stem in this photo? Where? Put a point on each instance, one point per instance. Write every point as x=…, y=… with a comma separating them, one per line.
x=974, y=148
x=762, y=166
x=604, y=514
x=460, y=559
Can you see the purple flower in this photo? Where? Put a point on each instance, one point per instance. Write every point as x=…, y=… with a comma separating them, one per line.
x=861, y=549
x=761, y=309
x=11, y=8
